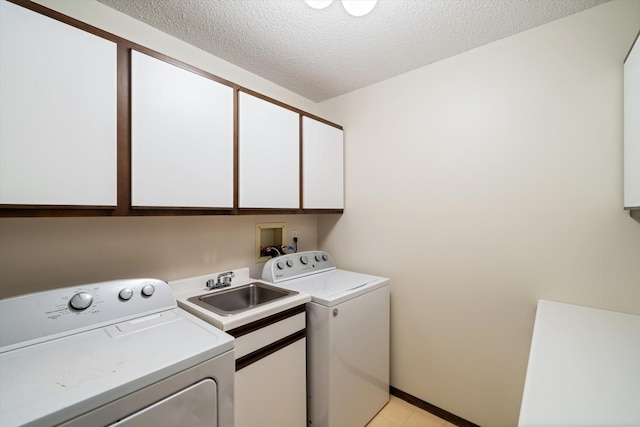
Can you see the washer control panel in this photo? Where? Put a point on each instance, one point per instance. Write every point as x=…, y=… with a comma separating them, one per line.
x=34, y=317
x=291, y=266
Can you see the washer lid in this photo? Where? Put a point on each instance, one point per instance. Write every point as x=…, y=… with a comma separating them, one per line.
x=335, y=286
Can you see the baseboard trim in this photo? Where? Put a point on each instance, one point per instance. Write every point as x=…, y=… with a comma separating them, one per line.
x=439, y=412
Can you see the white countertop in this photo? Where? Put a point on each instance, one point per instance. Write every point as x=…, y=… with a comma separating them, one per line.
x=584, y=368
x=194, y=286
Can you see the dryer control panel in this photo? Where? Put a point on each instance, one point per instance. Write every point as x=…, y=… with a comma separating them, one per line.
x=41, y=316
x=292, y=266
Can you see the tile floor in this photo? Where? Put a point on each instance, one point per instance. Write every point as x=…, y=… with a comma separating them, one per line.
x=399, y=413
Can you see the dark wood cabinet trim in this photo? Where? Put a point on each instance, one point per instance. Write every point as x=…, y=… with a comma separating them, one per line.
x=236, y=149
x=197, y=210
x=300, y=165
x=11, y=211
x=264, y=322
x=67, y=20
x=267, y=350
x=323, y=211
x=321, y=120
x=180, y=64
x=634, y=211
x=264, y=211
x=631, y=48
x=124, y=129
x=124, y=207
x=286, y=106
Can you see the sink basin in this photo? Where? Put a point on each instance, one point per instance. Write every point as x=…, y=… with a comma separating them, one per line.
x=238, y=300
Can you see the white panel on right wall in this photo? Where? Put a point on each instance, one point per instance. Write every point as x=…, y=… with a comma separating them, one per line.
x=632, y=128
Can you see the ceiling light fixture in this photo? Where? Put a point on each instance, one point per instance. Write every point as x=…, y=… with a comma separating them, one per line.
x=353, y=7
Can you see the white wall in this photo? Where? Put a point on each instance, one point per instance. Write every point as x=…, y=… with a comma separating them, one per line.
x=480, y=184
x=43, y=253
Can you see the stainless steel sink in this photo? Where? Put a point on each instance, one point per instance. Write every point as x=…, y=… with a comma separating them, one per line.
x=238, y=300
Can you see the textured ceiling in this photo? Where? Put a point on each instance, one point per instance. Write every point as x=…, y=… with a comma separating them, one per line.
x=320, y=54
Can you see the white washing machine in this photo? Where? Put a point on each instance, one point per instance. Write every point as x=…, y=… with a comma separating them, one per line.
x=347, y=337
x=116, y=353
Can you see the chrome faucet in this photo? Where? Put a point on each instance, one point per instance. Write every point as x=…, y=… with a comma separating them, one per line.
x=222, y=281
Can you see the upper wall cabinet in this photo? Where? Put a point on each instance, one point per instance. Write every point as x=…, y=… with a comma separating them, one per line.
x=632, y=128
x=181, y=137
x=57, y=112
x=322, y=165
x=268, y=155
x=92, y=124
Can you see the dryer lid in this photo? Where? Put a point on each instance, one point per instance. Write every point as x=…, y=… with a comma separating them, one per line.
x=57, y=362
x=53, y=381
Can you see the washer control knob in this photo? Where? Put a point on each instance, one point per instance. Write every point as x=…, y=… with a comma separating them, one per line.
x=280, y=265
x=126, y=294
x=325, y=257
x=304, y=259
x=318, y=258
x=148, y=290
x=289, y=263
x=81, y=301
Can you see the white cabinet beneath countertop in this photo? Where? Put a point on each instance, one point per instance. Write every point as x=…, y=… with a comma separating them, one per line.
x=322, y=165
x=272, y=392
x=268, y=155
x=181, y=137
x=57, y=112
x=632, y=128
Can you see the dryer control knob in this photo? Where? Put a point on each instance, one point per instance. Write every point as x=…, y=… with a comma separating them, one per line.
x=325, y=257
x=280, y=265
x=289, y=263
x=81, y=301
x=304, y=259
x=126, y=294
x=148, y=290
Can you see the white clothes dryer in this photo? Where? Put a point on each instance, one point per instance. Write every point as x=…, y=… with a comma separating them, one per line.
x=347, y=337
x=117, y=353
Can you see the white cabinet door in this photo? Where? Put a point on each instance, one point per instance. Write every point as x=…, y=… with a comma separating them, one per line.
x=322, y=165
x=632, y=128
x=57, y=112
x=269, y=155
x=262, y=387
x=181, y=137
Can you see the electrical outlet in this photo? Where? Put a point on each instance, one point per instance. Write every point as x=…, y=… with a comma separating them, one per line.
x=294, y=234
